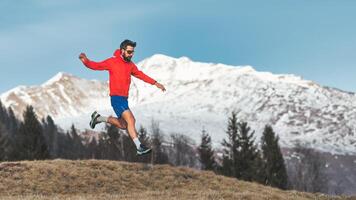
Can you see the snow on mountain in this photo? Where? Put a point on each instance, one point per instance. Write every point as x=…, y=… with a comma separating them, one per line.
x=62, y=96
x=203, y=95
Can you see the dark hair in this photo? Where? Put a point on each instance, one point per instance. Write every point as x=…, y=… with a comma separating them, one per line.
x=126, y=43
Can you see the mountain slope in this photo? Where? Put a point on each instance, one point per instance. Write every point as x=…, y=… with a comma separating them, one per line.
x=64, y=95
x=203, y=95
x=100, y=179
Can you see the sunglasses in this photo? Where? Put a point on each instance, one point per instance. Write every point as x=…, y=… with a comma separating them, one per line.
x=130, y=52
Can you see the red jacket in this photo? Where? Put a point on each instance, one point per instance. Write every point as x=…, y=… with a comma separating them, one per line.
x=120, y=72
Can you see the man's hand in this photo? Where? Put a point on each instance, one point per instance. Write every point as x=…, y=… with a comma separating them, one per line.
x=83, y=57
x=160, y=86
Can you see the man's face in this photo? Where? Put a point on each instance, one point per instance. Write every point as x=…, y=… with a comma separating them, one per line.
x=128, y=52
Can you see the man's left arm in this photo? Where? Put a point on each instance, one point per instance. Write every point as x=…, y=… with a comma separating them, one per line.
x=140, y=75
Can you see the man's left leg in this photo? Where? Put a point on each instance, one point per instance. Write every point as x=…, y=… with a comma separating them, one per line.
x=130, y=120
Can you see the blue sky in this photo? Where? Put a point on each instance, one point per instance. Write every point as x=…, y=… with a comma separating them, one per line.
x=315, y=39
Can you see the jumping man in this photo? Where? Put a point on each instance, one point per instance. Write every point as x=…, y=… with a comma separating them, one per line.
x=120, y=69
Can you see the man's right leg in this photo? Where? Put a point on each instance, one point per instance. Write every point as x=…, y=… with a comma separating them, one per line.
x=118, y=122
x=97, y=118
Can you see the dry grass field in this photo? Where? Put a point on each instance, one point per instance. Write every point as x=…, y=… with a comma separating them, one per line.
x=102, y=179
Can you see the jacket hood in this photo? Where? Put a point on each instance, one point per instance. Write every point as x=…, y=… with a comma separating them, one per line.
x=117, y=53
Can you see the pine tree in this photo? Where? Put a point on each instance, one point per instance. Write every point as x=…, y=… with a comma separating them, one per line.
x=92, y=149
x=113, y=143
x=3, y=114
x=129, y=147
x=122, y=139
x=102, y=152
x=4, y=143
x=31, y=142
x=259, y=166
x=8, y=128
x=245, y=167
x=50, y=131
x=158, y=154
x=240, y=155
x=78, y=147
x=182, y=152
x=7, y=118
x=13, y=123
x=275, y=169
x=206, y=152
x=65, y=145
x=230, y=147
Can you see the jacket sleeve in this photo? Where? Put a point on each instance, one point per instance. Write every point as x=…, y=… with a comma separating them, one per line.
x=103, y=65
x=140, y=75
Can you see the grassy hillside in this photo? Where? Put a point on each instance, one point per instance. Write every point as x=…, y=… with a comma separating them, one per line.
x=99, y=179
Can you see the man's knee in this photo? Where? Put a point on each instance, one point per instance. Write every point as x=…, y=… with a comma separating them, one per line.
x=117, y=122
x=123, y=123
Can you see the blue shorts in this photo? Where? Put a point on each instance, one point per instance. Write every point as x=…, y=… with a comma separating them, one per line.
x=119, y=104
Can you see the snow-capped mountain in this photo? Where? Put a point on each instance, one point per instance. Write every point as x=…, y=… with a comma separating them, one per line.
x=203, y=95
x=62, y=96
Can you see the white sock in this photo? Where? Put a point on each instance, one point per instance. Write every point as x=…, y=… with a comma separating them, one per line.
x=102, y=119
x=137, y=142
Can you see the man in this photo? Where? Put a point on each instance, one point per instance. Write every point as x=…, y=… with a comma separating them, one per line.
x=120, y=69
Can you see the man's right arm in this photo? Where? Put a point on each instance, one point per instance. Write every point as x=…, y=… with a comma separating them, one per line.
x=103, y=65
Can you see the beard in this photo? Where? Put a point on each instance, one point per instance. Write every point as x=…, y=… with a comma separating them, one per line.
x=127, y=59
